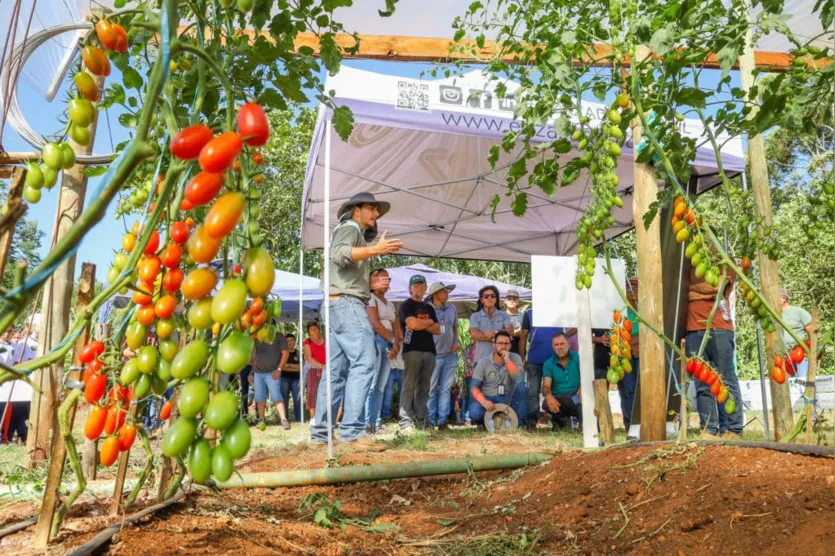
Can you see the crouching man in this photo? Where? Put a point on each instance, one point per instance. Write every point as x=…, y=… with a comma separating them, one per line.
x=498, y=379
x=561, y=383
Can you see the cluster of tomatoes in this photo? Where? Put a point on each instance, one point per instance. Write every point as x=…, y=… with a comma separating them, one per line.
x=107, y=415
x=685, y=224
x=601, y=147
x=787, y=365
x=701, y=370
x=620, y=362
x=755, y=306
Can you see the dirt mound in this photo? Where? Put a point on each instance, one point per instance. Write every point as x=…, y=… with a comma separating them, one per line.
x=648, y=500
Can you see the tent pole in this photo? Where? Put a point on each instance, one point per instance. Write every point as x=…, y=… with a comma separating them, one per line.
x=327, y=285
x=300, y=340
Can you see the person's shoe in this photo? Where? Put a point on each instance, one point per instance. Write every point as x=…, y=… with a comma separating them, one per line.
x=370, y=429
x=367, y=444
x=708, y=436
x=730, y=435
x=480, y=427
x=530, y=427
x=285, y=424
x=443, y=427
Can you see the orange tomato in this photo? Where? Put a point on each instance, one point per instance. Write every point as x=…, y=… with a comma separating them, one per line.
x=127, y=434
x=95, y=61
x=173, y=279
x=258, y=178
x=627, y=325
x=165, y=306
x=171, y=255
x=135, y=229
x=259, y=319
x=186, y=205
x=257, y=305
x=153, y=243
x=146, y=315
x=257, y=157
x=115, y=419
x=680, y=210
x=109, y=451
x=199, y=283
x=149, y=269
x=106, y=34
x=121, y=38
x=617, y=316
x=236, y=166
x=625, y=334
x=224, y=215
x=201, y=246
x=203, y=188
x=94, y=425
x=129, y=242
x=190, y=223
x=139, y=295
x=165, y=412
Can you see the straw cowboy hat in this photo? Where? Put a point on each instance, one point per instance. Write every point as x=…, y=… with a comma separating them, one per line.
x=436, y=287
x=363, y=198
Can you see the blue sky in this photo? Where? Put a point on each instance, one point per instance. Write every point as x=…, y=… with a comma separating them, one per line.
x=99, y=245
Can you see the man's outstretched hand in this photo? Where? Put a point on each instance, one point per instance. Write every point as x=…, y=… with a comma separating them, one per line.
x=387, y=246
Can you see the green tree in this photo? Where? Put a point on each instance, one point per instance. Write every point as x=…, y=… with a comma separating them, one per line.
x=26, y=245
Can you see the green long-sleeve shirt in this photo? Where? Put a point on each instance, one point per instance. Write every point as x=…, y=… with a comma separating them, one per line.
x=348, y=277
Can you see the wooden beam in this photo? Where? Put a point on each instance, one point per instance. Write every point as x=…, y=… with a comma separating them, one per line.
x=58, y=456
x=425, y=49
x=19, y=158
x=650, y=297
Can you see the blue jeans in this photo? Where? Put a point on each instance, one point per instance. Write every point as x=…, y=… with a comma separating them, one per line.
x=534, y=378
x=352, y=363
x=244, y=378
x=466, y=400
x=395, y=377
x=264, y=382
x=626, y=389
x=442, y=378
x=374, y=401
x=519, y=404
x=719, y=352
x=290, y=385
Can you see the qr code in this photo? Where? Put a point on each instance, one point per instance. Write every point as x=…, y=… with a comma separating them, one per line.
x=412, y=96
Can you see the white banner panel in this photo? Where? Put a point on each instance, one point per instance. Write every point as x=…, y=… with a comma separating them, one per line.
x=554, y=293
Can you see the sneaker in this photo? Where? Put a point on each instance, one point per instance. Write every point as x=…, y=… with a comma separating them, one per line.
x=367, y=444
x=708, y=436
x=730, y=435
x=285, y=424
x=443, y=427
x=370, y=429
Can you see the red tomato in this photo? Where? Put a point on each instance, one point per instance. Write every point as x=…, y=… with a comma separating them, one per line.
x=188, y=142
x=797, y=354
x=94, y=425
x=106, y=34
x=119, y=394
x=778, y=374
x=259, y=319
x=149, y=269
x=253, y=125
x=691, y=366
x=246, y=319
x=146, y=315
x=171, y=255
x=115, y=419
x=690, y=217
x=88, y=372
x=257, y=158
x=139, y=297
x=201, y=246
x=164, y=308
x=173, y=279
x=778, y=361
x=716, y=388
x=95, y=387
x=203, y=188
x=91, y=351
x=165, y=412
x=225, y=214
x=190, y=223
x=219, y=153
x=109, y=451
x=186, y=205
x=179, y=232
x=712, y=378
x=790, y=367
x=127, y=434
x=95, y=61
x=121, y=38
x=257, y=305
x=96, y=365
x=153, y=243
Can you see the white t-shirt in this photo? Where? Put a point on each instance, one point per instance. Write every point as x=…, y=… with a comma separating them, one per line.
x=385, y=310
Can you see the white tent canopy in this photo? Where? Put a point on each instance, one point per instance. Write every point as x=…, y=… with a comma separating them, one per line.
x=423, y=146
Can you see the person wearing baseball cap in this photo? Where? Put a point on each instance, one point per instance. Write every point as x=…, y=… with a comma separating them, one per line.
x=446, y=354
x=352, y=355
x=419, y=323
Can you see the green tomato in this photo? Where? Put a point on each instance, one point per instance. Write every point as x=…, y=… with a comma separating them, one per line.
x=179, y=437
x=81, y=111
x=276, y=308
x=168, y=349
x=245, y=6
x=613, y=148
x=237, y=439
x=616, y=132
x=222, y=410
x=50, y=176
x=222, y=465
x=227, y=3
x=52, y=156
x=112, y=274
x=200, y=313
x=136, y=335
x=613, y=376
x=587, y=281
x=614, y=117
x=701, y=269
x=67, y=156
x=34, y=176
x=730, y=406
x=31, y=194
x=679, y=117
x=193, y=397
x=143, y=386
x=579, y=284
x=200, y=461
x=190, y=359
x=120, y=260
x=696, y=259
x=80, y=135
x=148, y=358
x=230, y=302
x=130, y=372
x=234, y=352
x=691, y=250
x=259, y=271
x=577, y=135
x=164, y=370
x=158, y=385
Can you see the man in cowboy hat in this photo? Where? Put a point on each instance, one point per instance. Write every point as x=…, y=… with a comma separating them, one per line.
x=446, y=354
x=353, y=355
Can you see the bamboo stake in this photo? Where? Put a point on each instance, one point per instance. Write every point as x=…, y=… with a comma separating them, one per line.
x=682, y=431
x=86, y=288
x=603, y=411
x=810, y=377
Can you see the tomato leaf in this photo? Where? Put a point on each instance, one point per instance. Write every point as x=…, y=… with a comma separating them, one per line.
x=343, y=121
x=520, y=203
x=93, y=171
x=131, y=78
x=389, y=11
x=727, y=57
x=662, y=40
x=330, y=54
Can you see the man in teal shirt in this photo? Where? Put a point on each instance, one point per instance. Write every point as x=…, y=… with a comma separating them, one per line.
x=561, y=383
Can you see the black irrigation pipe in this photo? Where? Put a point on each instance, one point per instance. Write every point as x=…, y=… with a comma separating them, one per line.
x=106, y=534
x=19, y=526
x=802, y=449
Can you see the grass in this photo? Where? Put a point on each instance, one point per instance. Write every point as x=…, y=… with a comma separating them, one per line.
x=523, y=544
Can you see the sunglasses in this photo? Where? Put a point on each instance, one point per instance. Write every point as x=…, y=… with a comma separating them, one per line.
x=488, y=296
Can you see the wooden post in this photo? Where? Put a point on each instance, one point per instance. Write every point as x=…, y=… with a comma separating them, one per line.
x=682, y=431
x=55, y=309
x=86, y=289
x=15, y=209
x=603, y=412
x=813, y=367
x=769, y=278
x=89, y=457
x=650, y=299
x=586, y=349
x=122, y=472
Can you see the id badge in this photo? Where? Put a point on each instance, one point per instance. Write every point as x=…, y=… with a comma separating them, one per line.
x=501, y=389
x=443, y=329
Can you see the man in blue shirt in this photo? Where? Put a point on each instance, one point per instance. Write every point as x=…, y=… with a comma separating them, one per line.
x=561, y=383
x=498, y=379
x=540, y=350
